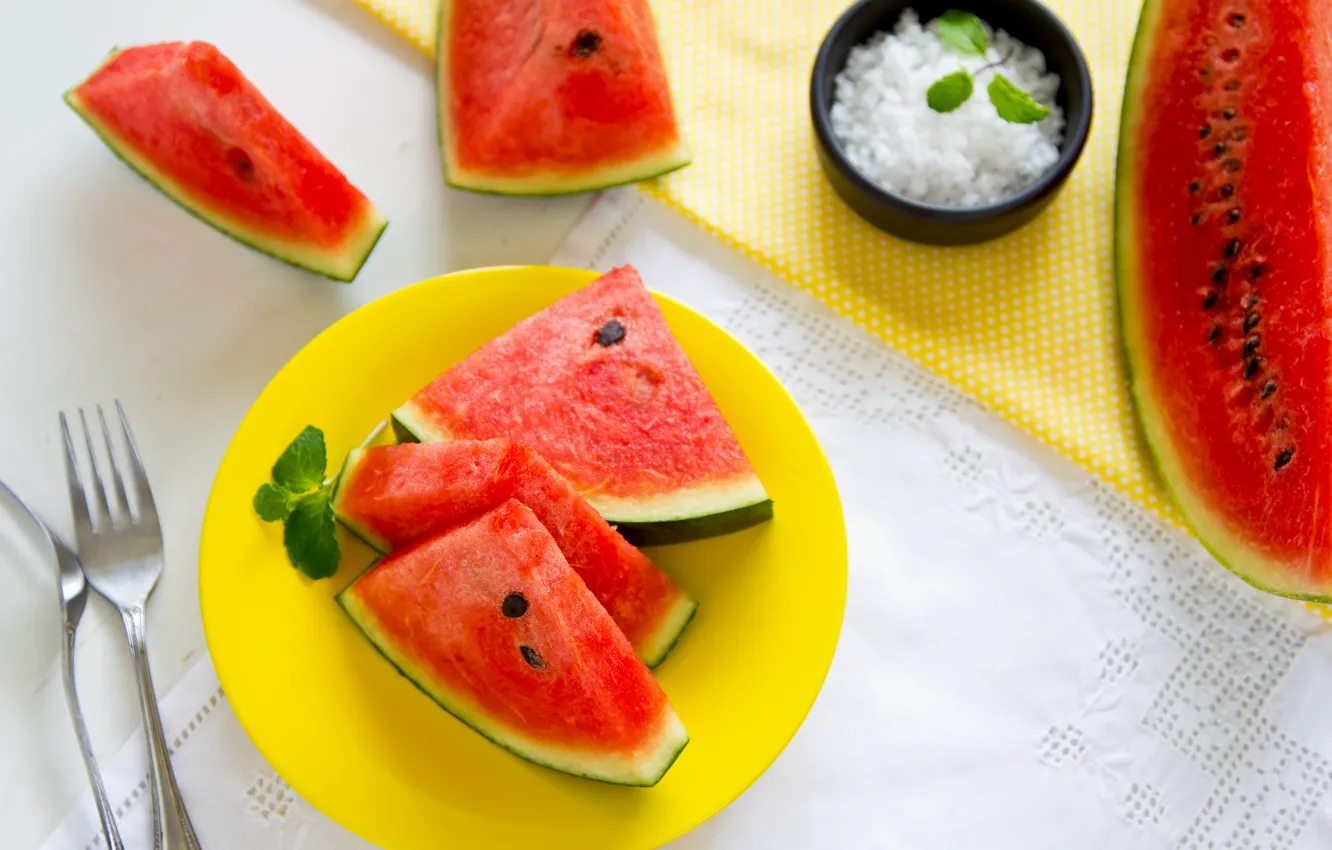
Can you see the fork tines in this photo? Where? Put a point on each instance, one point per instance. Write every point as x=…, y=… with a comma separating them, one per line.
x=106, y=503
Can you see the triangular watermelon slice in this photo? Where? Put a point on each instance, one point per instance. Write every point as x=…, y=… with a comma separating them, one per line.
x=489, y=620
x=553, y=97
x=392, y=496
x=185, y=118
x=599, y=387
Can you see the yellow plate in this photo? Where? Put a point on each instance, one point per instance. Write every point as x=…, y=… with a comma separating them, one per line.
x=368, y=749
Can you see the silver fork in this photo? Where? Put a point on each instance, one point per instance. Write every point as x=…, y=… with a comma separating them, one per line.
x=121, y=550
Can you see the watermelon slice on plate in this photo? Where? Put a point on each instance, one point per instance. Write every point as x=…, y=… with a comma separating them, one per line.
x=1224, y=267
x=553, y=97
x=599, y=387
x=186, y=119
x=491, y=623
x=392, y=496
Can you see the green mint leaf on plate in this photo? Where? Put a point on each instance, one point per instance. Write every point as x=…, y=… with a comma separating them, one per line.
x=310, y=536
x=950, y=92
x=963, y=32
x=272, y=502
x=301, y=467
x=1013, y=104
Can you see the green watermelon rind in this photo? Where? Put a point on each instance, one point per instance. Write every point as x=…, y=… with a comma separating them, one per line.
x=1238, y=557
x=648, y=167
x=652, y=651
x=706, y=516
x=676, y=738
x=342, y=266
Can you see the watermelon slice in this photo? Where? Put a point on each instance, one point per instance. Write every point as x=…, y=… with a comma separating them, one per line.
x=489, y=620
x=1224, y=266
x=553, y=97
x=392, y=496
x=191, y=124
x=597, y=384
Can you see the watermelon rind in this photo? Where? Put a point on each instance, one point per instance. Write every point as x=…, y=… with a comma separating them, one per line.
x=1212, y=530
x=654, y=164
x=680, y=516
x=615, y=769
x=341, y=264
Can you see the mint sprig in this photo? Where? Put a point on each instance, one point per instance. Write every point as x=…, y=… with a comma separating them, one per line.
x=299, y=499
x=965, y=33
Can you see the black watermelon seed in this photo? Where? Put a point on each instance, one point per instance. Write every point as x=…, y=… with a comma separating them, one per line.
x=585, y=44
x=1233, y=215
x=1219, y=149
x=1283, y=458
x=1205, y=73
x=1237, y=20
x=1194, y=187
x=1228, y=113
x=1250, y=322
x=1230, y=55
x=241, y=163
x=531, y=657
x=1239, y=134
x=1227, y=190
x=1197, y=219
x=1232, y=165
x=1251, y=368
x=1215, y=335
x=610, y=333
x=1209, y=300
x=1257, y=271
x=1204, y=131
x=1220, y=273
x=1251, y=345
x=1232, y=248
x=1268, y=389
x=514, y=605
x=1233, y=85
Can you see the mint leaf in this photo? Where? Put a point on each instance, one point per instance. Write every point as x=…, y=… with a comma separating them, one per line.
x=272, y=502
x=963, y=32
x=310, y=536
x=301, y=466
x=1013, y=104
x=950, y=92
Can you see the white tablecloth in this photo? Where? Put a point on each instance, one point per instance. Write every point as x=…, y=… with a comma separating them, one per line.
x=1028, y=661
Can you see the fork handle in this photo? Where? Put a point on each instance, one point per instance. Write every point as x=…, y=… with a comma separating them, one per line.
x=172, y=829
x=104, y=813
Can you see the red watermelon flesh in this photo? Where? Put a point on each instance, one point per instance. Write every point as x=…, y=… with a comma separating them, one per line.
x=552, y=97
x=392, y=496
x=184, y=117
x=489, y=620
x=1224, y=266
x=598, y=385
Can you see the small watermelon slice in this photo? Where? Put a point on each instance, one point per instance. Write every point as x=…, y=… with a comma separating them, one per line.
x=598, y=386
x=489, y=620
x=186, y=119
x=553, y=97
x=392, y=496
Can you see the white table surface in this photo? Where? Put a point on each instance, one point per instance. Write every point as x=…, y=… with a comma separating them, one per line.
x=108, y=290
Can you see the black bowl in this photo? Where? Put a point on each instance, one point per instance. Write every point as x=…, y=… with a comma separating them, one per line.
x=1026, y=20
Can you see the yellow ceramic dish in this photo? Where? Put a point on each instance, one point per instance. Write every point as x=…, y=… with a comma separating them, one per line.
x=362, y=744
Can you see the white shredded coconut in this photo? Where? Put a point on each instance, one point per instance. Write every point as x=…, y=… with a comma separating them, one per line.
x=963, y=158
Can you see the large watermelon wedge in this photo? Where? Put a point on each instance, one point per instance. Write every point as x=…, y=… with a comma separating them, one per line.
x=598, y=386
x=392, y=496
x=489, y=620
x=553, y=97
x=1224, y=266
x=185, y=118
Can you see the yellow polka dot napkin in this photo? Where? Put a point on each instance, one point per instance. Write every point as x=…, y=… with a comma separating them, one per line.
x=1026, y=323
